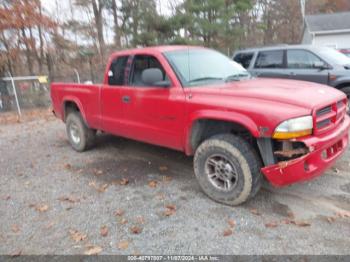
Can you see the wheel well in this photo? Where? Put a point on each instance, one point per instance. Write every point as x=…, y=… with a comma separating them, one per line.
x=343, y=85
x=205, y=128
x=69, y=107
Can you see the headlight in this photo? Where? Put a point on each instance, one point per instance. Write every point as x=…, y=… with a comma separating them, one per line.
x=292, y=128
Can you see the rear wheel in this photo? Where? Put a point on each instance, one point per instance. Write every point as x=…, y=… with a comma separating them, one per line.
x=227, y=169
x=79, y=135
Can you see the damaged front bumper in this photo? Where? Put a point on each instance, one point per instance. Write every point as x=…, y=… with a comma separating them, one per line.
x=323, y=151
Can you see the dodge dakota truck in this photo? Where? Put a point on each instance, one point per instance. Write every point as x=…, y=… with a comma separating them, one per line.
x=192, y=99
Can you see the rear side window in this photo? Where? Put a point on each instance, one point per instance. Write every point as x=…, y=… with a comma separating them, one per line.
x=301, y=59
x=270, y=59
x=116, y=73
x=244, y=59
x=142, y=62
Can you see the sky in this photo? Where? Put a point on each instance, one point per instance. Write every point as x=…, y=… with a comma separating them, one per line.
x=60, y=11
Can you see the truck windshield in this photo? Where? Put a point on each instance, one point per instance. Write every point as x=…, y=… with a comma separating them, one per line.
x=198, y=67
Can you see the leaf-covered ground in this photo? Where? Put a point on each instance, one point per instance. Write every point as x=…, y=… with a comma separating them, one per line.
x=125, y=197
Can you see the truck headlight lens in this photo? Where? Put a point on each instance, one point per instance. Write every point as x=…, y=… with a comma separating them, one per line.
x=292, y=128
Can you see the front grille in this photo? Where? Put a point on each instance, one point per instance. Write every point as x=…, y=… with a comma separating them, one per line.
x=324, y=111
x=330, y=116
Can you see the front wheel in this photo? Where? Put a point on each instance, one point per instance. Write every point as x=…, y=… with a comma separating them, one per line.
x=346, y=90
x=79, y=135
x=227, y=169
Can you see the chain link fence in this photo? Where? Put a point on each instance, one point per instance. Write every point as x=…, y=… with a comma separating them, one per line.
x=23, y=93
x=18, y=94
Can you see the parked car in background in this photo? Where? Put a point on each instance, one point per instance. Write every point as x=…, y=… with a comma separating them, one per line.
x=299, y=62
x=345, y=51
x=199, y=101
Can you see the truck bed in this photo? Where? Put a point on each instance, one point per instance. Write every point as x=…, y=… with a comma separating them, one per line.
x=86, y=96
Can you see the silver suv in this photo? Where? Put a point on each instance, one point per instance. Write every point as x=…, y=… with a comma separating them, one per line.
x=309, y=63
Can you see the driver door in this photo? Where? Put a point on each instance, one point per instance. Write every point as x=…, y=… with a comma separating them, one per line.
x=153, y=114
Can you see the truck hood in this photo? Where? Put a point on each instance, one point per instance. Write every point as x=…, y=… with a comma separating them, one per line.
x=297, y=93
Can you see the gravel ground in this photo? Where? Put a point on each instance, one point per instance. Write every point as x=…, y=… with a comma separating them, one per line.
x=57, y=201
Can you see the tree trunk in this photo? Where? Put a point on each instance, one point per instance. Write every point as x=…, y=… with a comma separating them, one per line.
x=27, y=51
x=99, y=25
x=8, y=57
x=117, y=31
x=41, y=42
x=50, y=67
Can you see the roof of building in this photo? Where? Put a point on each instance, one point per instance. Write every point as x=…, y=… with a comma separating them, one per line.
x=328, y=22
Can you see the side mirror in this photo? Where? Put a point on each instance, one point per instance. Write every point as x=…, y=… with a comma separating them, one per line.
x=110, y=77
x=154, y=77
x=320, y=65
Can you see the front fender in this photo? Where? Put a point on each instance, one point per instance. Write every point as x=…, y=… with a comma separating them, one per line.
x=228, y=116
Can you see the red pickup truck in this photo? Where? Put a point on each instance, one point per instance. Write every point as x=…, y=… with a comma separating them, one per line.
x=198, y=101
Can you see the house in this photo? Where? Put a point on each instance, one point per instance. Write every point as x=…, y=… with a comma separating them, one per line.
x=331, y=30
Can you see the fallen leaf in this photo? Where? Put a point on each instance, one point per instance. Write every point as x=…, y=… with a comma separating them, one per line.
x=104, y=231
x=41, y=208
x=331, y=219
x=300, y=223
x=255, y=212
x=135, y=230
x=343, y=214
x=15, y=228
x=48, y=226
x=70, y=199
x=160, y=196
x=286, y=221
x=123, y=244
x=231, y=222
x=167, y=178
x=152, y=183
x=271, y=225
x=93, y=250
x=68, y=166
x=163, y=168
x=98, y=172
x=102, y=188
x=93, y=184
x=119, y=212
x=6, y=197
x=77, y=236
x=227, y=232
x=123, y=221
x=169, y=212
x=171, y=207
x=290, y=214
x=140, y=220
x=124, y=181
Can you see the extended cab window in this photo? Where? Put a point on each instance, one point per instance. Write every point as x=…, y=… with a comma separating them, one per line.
x=302, y=59
x=116, y=73
x=244, y=59
x=270, y=59
x=142, y=62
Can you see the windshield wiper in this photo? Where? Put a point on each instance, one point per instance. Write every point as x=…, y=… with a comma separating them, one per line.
x=236, y=77
x=204, y=79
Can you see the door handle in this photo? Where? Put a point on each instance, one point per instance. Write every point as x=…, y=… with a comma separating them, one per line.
x=126, y=99
x=292, y=74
